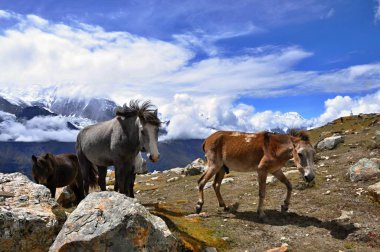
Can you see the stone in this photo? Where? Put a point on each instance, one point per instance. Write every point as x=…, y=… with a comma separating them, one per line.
x=172, y=179
x=345, y=216
x=330, y=143
x=65, y=197
x=209, y=249
x=365, y=169
x=110, y=221
x=178, y=171
x=193, y=170
x=374, y=191
x=29, y=218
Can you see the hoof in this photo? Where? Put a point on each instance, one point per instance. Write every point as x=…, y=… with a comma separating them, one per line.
x=284, y=208
x=262, y=215
x=198, y=208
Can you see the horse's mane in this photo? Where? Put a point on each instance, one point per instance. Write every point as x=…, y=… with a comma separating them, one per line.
x=302, y=134
x=145, y=111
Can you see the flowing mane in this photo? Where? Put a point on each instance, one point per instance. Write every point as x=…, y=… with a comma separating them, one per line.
x=302, y=134
x=146, y=111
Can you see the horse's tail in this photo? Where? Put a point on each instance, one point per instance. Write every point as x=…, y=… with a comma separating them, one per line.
x=92, y=177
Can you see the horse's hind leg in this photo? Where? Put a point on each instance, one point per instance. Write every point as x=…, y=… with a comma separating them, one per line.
x=102, y=173
x=84, y=165
x=79, y=195
x=217, y=183
x=280, y=176
x=211, y=171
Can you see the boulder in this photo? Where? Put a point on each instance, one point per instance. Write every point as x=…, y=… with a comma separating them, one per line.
x=193, y=170
x=365, y=169
x=374, y=191
x=110, y=221
x=29, y=218
x=65, y=197
x=178, y=171
x=330, y=143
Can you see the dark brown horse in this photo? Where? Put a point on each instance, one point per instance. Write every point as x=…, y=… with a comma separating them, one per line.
x=262, y=152
x=59, y=171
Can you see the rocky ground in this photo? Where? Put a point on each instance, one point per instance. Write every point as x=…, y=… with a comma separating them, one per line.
x=335, y=214
x=340, y=212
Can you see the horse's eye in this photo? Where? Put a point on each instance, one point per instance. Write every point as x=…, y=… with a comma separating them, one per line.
x=142, y=132
x=300, y=155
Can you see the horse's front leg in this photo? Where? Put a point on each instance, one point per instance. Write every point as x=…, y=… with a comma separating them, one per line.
x=102, y=173
x=120, y=176
x=130, y=180
x=262, y=176
x=281, y=177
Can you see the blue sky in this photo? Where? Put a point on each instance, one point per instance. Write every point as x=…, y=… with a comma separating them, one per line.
x=275, y=55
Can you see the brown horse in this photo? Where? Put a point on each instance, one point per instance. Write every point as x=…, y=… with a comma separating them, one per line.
x=59, y=171
x=263, y=152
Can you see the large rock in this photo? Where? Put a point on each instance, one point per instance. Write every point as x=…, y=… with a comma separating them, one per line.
x=194, y=168
x=65, y=197
x=330, y=143
x=29, y=218
x=109, y=221
x=365, y=169
x=374, y=191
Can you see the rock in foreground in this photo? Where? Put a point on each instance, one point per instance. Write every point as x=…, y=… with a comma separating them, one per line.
x=109, y=221
x=365, y=169
x=29, y=218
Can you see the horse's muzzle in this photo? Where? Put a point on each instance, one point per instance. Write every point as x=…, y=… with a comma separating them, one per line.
x=308, y=178
x=154, y=159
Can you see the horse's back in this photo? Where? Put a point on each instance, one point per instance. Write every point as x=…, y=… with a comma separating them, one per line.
x=238, y=151
x=67, y=168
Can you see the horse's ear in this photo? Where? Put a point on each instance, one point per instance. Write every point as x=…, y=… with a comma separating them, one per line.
x=119, y=110
x=47, y=156
x=34, y=159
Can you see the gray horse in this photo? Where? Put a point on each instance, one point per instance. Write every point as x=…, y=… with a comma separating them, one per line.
x=117, y=142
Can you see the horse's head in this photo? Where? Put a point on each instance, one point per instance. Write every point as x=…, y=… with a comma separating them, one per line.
x=42, y=168
x=148, y=123
x=149, y=138
x=303, y=154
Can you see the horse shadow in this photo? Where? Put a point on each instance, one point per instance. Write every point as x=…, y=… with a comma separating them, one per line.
x=276, y=218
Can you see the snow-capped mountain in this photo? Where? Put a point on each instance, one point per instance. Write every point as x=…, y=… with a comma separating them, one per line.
x=95, y=109
x=42, y=115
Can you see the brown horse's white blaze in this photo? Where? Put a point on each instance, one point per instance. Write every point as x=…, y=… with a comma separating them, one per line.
x=262, y=152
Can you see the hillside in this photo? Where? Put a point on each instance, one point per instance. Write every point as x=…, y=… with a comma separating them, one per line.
x=312, y=223
x=15, y=156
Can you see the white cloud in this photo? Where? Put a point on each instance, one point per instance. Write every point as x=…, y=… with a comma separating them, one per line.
x=199, y=117
x=86, y=60
x=377, y=10
x=38, y=129
x=344, y=105
x=329, y=14
x=197, y=95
